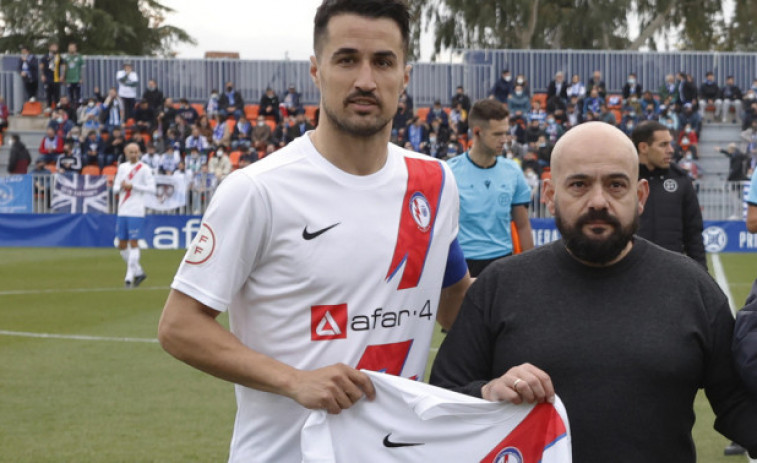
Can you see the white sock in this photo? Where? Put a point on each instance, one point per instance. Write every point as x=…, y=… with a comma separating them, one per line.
x=125, y=254
x=134, y=254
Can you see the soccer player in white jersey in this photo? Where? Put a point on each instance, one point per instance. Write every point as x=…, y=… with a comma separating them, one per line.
x=335, y=255
x=133, y=182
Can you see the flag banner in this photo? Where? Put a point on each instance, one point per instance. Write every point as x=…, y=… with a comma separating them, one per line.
x=16, y=194
x=80, y=194
x=170, y=194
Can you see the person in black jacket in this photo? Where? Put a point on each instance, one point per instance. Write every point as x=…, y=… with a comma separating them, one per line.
x=20, y=159
x=672, y=217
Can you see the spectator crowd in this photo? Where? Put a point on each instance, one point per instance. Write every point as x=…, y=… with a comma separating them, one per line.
x=204, y=142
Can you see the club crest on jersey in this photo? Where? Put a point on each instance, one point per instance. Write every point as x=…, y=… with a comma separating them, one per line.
x=509, y=455
x=202, y=246
x=420, y=209
x=328, y=322
x=670, y=185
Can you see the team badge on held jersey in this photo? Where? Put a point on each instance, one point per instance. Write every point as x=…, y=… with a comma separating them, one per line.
x=509, y=455
x=202, y=246
x=421, y=211
x=670, y=185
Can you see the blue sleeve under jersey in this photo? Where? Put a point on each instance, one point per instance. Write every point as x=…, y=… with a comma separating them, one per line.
x=456, y=266
x=752, y=197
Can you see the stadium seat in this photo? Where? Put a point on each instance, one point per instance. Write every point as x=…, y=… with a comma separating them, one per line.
x=251, y=111
x=32, y=109
x=199, y=107
x=51, y=167
x=310, y=112
x=615, y=102
x=618, y=115
x=110, y=172
x=422, y=113
x=541, y=98
x=213, y=123
x=230, y=124
x=271, y=123
x=90, y=170
x=146, y=138
x=515, y=238
x=234, y=158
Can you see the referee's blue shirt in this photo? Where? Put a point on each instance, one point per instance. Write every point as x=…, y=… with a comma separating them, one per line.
x=487, y=196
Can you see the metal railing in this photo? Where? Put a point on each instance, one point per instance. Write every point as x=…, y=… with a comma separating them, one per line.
x=719, y=200
x=197, y=200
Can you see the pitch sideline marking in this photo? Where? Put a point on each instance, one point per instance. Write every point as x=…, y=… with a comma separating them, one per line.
x=16, y=292
x=77, y=337
x=720, y=277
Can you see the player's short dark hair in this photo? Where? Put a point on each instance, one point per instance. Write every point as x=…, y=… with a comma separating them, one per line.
x=644, y=132
x=483, y=111
x=396, y=10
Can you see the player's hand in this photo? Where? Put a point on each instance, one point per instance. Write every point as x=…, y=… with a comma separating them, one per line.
x=333, y=388
x=524, y=383
x=125, y=185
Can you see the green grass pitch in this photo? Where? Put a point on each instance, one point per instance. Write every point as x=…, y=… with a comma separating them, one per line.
x=113, y=395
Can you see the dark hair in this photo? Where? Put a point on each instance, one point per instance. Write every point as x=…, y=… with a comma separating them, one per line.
x=396, y=10
x=483, y=111
x=644, y=132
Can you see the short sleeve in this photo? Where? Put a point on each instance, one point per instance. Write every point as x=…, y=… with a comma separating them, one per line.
x=230, y=241
x=752, y=197
x=522, y=190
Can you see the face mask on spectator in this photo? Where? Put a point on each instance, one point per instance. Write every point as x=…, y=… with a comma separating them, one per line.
x=91, y=104
x=214, y=95
x=518, y=92
x=59, y=119
x=631, y=81
x=508, y=78
x=519, y=81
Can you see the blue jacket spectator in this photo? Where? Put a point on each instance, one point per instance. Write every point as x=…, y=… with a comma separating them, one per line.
x=518, y=102
x=745, y=341
x=28, y=68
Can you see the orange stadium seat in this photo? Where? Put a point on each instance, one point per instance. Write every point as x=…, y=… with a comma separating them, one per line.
x=541, y=98
x=199, y=107
x=90, y=170
x=234, y=158
x=51, y=167
x=271, y=123
x=230, y=122
x=515, y=238
x=615, y=102
x=422, y=113
x=32, y=109
x=618, y=115
x=251, y=111
x=110, y=172
x=310, y=111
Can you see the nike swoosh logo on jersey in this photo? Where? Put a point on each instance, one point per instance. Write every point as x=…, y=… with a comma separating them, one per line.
x=390, y=444
x=309, y=236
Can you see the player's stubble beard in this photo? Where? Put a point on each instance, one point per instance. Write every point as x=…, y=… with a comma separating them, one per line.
x=596, y=250
x=360, y=127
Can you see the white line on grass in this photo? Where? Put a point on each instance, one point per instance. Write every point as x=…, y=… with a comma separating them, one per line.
x=77, y=337
x=15, y=292
x=720, y=277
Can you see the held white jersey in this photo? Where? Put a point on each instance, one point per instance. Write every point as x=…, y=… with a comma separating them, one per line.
x=131, y=203
x=414, y=422
x=317, y=266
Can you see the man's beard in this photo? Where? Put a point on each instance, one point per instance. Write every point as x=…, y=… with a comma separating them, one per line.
x=596, y=250
x=359, y=128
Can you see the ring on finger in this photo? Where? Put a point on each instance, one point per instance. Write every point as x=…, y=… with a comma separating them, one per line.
x=515, y=384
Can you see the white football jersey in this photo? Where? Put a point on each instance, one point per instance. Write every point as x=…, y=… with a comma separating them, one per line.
x=414, y=422
x=132, y=203
x=317, y=266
